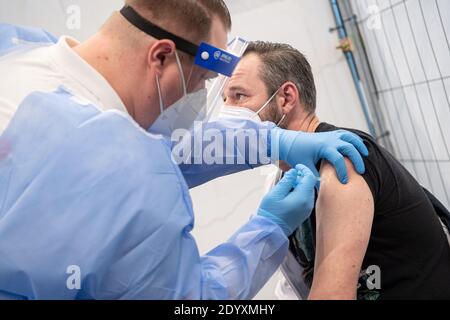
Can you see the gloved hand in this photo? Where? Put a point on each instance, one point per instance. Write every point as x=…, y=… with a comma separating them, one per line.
x=291, y=201
x=309, y=148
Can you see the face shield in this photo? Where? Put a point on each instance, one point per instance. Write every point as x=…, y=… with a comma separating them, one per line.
x=212, y=65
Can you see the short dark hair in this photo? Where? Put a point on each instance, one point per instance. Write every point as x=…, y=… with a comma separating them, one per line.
x=193, y=16
x=282, y=63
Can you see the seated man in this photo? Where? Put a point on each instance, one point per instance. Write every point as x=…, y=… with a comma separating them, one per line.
x=381, y=224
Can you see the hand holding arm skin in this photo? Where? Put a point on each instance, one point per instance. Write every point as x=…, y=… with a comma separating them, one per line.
x=309, y=148
x=344, y=215
x=290, y=146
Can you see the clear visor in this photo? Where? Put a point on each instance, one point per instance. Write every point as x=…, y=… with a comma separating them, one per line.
x=216, y=87
x=203, y=99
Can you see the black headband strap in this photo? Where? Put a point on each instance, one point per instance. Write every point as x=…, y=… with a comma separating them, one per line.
x=153, y=30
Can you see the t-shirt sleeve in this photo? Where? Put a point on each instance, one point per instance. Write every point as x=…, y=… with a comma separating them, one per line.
x=373, y=174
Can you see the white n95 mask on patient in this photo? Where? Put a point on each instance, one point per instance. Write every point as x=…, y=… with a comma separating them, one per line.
x=246, y=113
x=239, y=112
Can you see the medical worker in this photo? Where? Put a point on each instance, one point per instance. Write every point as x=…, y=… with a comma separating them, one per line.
x=92, y=205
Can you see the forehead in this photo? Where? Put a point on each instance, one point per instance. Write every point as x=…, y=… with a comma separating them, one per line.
x=247, y=72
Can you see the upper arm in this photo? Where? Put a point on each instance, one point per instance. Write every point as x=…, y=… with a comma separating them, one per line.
x=344, y=215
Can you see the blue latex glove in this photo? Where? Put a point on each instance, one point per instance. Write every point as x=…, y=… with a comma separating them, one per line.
x=291, y=201
x=309, y=148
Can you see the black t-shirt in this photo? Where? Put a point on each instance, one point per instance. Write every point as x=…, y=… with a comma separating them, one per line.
x=407, y=241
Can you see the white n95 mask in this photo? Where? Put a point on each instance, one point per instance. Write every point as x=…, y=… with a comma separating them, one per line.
x=246, y=113
x=239, y=112
x=183, y=113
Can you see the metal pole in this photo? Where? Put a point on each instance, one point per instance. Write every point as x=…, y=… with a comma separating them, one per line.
x=342, y=32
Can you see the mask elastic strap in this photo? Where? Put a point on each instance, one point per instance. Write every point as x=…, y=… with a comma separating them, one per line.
x=190, y=75
x=161, y=104
x=281, y=121
x=183, y=81
x=267, y=103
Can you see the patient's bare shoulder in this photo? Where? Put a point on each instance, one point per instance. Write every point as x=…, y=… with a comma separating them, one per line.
x=351, y=195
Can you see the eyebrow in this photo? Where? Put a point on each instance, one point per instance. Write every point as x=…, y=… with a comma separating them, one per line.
x=232, y=89
x=236, y=88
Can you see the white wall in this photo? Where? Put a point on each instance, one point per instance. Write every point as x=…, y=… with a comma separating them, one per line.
x=224, y=205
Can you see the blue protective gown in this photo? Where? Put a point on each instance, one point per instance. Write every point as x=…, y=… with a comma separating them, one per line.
x=85, y=188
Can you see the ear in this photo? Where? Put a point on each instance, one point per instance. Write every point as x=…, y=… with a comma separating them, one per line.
x=288, y=97
x=159, y=53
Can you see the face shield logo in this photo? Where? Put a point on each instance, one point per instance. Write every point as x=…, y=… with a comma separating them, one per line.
x=226, y=58
x=217, y=55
